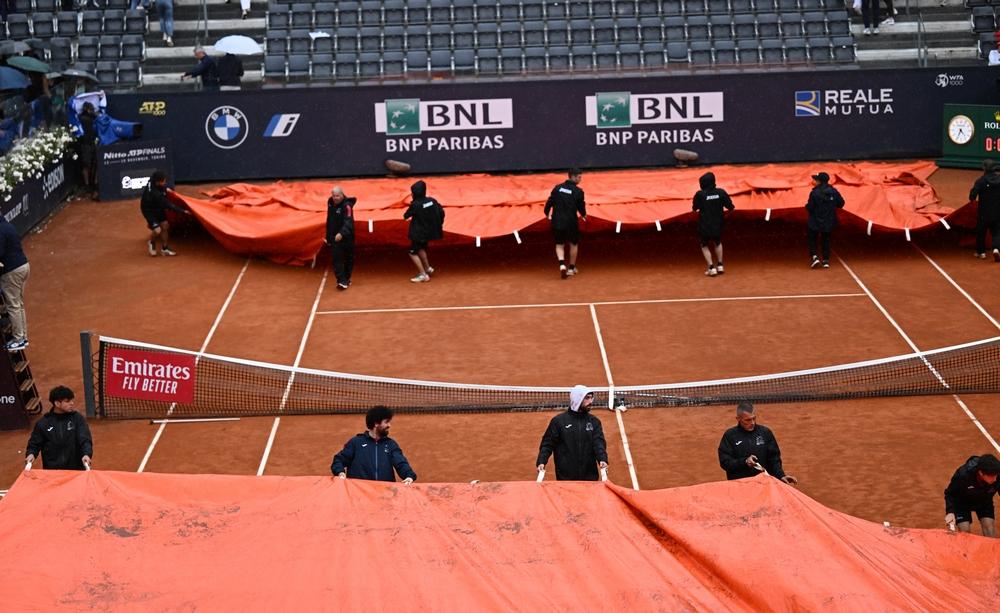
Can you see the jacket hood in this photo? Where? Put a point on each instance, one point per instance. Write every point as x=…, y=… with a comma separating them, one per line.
x=707, y=180
x=993, y=178
x=576, y=396
x=346, y=200
x=418, y=189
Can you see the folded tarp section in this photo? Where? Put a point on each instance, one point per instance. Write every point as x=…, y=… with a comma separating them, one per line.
x=123, y=541
x=285, y=221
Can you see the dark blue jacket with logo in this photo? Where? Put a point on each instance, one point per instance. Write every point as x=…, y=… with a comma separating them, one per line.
x=62, y=439
x=966, y=490
x=737, y=445
x=365, y=458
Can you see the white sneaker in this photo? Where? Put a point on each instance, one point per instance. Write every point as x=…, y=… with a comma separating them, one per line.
x=430, y=271
x=889, y=22
x=168, y=251
x=151, y=247
x=815, y=262
x=981, y=256
x=868, y=31
x=874, y=30
x=170, y=42
x=421, y=278
x=572, y=271
x=563, y=272
x=711, y=272
x=720, y=269
x=996, y=255
x=164, y=36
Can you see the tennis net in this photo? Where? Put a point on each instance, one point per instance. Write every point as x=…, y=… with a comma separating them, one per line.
x=141, y=380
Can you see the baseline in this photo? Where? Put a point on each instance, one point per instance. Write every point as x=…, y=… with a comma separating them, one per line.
x=550, y=305
x=201, y=352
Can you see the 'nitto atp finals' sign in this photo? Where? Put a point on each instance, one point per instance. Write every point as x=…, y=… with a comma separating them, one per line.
x=621, y=118
x=150, y=375
x=405, y=120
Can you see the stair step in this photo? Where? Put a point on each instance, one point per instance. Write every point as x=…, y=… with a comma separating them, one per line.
x=21, y=366
x=27, y=385
x=33, y=406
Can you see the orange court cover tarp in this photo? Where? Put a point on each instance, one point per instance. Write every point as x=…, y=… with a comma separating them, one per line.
x=110, y=541
x=285, y=221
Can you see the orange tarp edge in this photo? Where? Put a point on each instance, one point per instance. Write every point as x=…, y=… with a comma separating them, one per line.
x=285, y=221
x=113, y=541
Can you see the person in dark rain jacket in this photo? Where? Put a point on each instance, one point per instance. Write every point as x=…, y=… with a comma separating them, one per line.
x=710, y=202
x=340, y=235
x=61, y=436
x=154, y=205
x=427, y=224
x=372, y=455
x=824, y=200
x=987, y=190
x=747, y=445
x=566, y=202
x=576, y=438
x=971, y=490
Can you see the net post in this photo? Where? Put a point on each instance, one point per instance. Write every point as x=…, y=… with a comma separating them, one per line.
x=87, y=362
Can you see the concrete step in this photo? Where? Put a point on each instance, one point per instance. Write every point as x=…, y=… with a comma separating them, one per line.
x=910, y=27
x=173, y=80
x=965, y=54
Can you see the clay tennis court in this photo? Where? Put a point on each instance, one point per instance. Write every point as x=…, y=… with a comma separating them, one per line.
x=499, y=314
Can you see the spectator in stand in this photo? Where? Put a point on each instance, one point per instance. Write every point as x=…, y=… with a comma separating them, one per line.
x=207, y=69
x=994, y=57
x=230, y=71
x=165, y=9
x=245, y=5
x=14, y=272
x=891, y=12
x=870, y=16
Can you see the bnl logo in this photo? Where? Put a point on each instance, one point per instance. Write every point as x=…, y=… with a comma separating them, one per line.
x=281, y=125
x=807, y=103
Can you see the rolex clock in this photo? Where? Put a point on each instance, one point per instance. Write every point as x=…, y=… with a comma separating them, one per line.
x=961, y=129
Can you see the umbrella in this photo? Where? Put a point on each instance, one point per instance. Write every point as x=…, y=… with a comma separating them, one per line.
x=10, y=47
x=12, y=79
x=80, y=74
x=30, y=64
x=238, y=45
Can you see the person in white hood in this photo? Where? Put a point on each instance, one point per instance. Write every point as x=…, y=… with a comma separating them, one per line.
x=577, y=439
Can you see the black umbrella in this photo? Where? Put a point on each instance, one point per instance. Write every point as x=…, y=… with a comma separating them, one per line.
x=10, y=47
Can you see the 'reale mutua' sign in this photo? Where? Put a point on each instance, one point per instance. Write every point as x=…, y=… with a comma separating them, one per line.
x=150, y=375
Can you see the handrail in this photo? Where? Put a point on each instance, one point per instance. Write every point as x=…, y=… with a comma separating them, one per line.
x=201, y=32
x=921, y=40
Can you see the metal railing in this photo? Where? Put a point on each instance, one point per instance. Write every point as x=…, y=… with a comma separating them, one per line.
x=201, y=34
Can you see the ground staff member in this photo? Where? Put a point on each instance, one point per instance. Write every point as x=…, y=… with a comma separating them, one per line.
x=61, y=435
x=747, y=444
x=987, y=190
x=824, y=200
x=562, y=207
x=577, y=439
x=971, y=490
x=710, y=202
x=372, y=455
x=340, y=235
x=427, y=224
x=154, y=205
x=14, y=273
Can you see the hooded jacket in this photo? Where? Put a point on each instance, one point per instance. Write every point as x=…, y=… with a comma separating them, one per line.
x=987, y=189
x=365, y=458
x=340, y=219
x=11, y=252
x=737, y=445
x=824, y=200
x=966, y=490
x=427, y=215
x=565, y=201
x=710, y=201
x=577, y=439
x=63, y=439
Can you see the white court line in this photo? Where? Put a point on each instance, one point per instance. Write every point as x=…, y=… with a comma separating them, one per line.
x=611, y=399
x=291, y=377
x=913, y=346
x=204, y=346
x=958, y=287
x=551, y=305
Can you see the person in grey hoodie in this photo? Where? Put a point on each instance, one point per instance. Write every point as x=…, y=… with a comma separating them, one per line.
x=576, y=438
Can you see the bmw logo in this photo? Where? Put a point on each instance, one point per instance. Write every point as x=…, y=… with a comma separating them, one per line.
x=227, y=127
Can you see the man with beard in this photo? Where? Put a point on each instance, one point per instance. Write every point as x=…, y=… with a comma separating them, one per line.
x=971, y=490
x=987, y=190
x=372, y=455
x=748, y=445
x=577, y=439
x=61, y=435
x=562, y=207
x=427, y=224
x=710, y=203
x=824, y=200
x=340, y=235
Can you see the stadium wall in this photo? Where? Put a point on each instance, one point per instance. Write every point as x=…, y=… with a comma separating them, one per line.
x=553, y=123
x=36, y=197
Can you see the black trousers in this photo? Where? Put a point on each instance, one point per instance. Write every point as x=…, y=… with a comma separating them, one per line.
x=343, y=260
x=993, y=227
x=813, y=234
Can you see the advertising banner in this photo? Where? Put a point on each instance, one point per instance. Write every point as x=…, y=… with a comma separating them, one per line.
x=34, y=199
x=150, y=375
x=124, y=168
x=556, y=123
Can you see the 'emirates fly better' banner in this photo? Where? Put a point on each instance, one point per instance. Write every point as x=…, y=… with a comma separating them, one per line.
x=150, y=375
